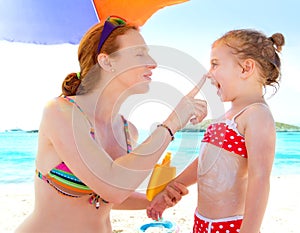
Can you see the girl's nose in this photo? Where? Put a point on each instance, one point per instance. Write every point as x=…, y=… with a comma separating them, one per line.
x=208, y=75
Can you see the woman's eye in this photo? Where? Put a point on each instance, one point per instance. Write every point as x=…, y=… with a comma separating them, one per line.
x=213, y=65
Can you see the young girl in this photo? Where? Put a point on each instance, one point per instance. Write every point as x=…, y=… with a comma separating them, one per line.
x=237, y=152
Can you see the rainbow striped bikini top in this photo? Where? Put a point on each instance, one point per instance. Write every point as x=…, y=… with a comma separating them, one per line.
x=65, y=182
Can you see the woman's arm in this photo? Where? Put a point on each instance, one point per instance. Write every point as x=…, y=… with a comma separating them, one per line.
x=136, y=201
x=114, y=180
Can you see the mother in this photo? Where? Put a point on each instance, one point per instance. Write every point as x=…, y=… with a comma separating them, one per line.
x=85, y=162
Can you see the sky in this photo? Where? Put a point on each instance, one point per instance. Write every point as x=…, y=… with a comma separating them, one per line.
x=32, y=74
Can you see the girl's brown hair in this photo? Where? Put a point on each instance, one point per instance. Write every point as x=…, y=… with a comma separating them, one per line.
x=253, y=44
x=81, y=83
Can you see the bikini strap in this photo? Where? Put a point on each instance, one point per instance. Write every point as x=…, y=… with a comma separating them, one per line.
x=92, y=131
x=127, y=135
x=247, y=107
x=72, y=101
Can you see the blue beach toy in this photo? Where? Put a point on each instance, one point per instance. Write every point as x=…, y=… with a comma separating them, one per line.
x=167, y=226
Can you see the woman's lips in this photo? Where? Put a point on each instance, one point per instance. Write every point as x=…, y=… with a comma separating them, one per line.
x=148, y=76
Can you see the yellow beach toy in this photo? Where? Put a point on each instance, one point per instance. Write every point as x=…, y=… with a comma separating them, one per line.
x=161, y=175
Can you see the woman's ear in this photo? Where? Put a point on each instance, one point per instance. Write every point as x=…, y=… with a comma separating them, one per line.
x=248, y=67
x=104, y=62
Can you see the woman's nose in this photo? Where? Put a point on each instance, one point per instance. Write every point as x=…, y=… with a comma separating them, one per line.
x=152, y=63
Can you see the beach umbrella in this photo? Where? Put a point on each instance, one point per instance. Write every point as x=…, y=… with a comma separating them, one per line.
x=65, y=21
x=135, y=11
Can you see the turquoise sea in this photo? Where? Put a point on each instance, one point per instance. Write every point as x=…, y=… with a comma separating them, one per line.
x=18, y=149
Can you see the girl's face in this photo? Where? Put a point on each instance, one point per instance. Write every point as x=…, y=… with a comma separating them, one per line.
x=224, y=72
x=132, y=63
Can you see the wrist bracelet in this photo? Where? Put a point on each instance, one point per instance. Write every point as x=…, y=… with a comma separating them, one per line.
x=170, y=132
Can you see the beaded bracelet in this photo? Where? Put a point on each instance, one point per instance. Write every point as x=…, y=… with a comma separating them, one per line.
x=170, y=132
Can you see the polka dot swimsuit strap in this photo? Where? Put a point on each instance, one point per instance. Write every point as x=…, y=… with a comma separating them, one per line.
x=247, y=107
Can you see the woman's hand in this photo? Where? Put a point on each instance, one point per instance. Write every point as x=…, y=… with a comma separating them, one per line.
x=188, y=109
x=169, y=197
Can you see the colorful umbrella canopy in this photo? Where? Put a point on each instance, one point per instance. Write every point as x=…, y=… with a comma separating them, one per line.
x=135, y=11
x=65, y=21
x=45, y=21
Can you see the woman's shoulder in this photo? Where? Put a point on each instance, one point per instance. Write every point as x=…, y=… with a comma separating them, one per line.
x=57, y=104
x=57, y=115
x=55, y=108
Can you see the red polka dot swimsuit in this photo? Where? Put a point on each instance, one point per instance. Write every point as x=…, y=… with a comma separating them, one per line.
x=226, y=225
x=225, y=135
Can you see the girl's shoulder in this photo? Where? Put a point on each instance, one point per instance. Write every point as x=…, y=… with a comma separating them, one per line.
x=253, y=116
x=257, y=117
x=256, y=111
x=251, y=108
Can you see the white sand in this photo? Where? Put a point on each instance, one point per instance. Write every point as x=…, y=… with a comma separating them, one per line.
x=281, y=216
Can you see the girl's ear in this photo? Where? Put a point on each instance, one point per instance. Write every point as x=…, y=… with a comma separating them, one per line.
x=104, y=62
x=248, y=67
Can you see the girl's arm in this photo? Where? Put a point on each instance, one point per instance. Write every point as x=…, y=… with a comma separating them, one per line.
x=260, y=137
x=138, y=201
